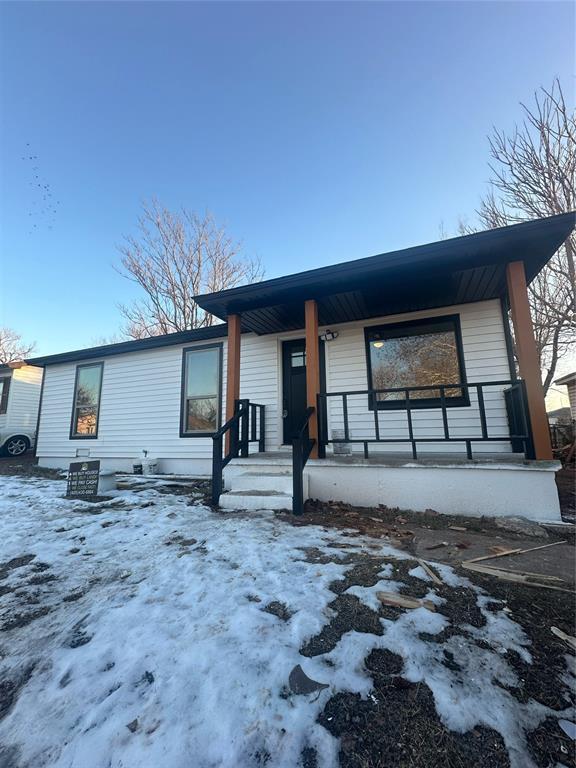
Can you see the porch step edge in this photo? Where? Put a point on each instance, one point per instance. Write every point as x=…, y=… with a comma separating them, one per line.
x=280, y=482
x=255, y=499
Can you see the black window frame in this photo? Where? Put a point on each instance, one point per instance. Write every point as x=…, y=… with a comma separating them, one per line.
x=74, y=435
x=5, y=394
x=183, y=398
x=416, y=327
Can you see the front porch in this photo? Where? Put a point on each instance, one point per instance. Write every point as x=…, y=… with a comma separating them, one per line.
x=424, y=410
x=423, y=459
x=498, y=484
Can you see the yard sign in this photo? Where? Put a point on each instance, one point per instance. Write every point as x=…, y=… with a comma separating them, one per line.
x=83, y=479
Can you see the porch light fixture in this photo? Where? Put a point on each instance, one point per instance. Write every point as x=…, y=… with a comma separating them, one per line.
x=328, y=335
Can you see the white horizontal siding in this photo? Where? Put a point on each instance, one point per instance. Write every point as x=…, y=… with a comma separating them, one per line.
x=139, y=409
x=140, y=404
x=4, y=416
x=572, y=398
x=259, y=377
x=23, y=399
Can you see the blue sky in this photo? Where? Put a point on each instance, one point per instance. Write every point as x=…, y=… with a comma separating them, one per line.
x=316, y=132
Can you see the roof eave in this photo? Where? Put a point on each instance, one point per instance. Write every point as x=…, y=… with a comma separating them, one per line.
x=136, y=345
x=318, y=281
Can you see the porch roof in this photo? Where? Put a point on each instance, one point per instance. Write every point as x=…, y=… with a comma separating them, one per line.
x=459, y=270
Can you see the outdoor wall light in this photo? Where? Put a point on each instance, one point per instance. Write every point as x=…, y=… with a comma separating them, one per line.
x=329, y=335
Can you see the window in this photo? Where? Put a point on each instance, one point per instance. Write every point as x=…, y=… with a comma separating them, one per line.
x=201, y=390
x=420, y=353
x=4, y=389
x=298, y=358
x=86, y=401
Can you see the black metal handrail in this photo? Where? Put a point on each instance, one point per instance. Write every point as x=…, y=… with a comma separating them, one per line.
x=515, y=400
x=302, y=446
x=247, y=426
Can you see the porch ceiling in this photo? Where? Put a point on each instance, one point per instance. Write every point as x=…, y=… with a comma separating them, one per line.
x=460, y=270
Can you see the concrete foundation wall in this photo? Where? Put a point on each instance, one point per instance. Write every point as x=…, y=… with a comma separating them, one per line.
x=188, y=467
x=481, y=489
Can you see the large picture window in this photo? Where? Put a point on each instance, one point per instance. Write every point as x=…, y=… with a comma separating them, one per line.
x=86, y=408
x=420, y=353
x=201, y=390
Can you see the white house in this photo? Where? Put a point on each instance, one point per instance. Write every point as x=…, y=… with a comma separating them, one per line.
x=20, y=386
x=386, y=380
x=569, y=381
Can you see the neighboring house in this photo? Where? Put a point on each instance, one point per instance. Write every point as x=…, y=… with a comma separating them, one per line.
x=20, y=387
x=569, y=381
x=394, y=373
x=559, y=416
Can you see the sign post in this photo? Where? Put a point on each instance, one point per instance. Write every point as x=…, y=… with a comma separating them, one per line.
x=83, y=479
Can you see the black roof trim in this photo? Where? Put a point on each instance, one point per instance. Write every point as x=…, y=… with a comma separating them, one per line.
x=497, y=245
x=136, y=345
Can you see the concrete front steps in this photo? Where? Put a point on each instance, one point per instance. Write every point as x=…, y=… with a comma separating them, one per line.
x=258, y=484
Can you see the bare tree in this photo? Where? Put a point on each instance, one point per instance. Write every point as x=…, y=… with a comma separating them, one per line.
x=175, y=257
x=103, y=341
x=534, y=175
x=12, y=348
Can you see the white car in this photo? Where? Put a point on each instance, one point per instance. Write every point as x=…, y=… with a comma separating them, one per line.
x=15, y=442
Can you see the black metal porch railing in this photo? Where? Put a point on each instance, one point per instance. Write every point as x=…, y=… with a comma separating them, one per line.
x=248, y=425
x=302, y=446
x=514, y=400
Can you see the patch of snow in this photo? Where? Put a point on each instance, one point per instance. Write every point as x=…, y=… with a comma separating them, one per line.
x=156, y=650
x=367, y=595
x=501, y=632
x=450, y=577
x=419, y=573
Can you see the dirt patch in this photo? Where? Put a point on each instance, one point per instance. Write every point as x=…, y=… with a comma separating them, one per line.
x=39, y=566
x=45, y=579
x=351, y=614
x=19, y=620
x=398, y=726
x=197, y=489
x=309, y=758
x=549, y=745
x=365, y=573
x=278, y=609
x=27, y=466
x=15, y=562
x=79, y=636
x=545, y=679
x=400, y=525
x=73, y=596
x=566, y=484
x=315, y=555
x=11, y=687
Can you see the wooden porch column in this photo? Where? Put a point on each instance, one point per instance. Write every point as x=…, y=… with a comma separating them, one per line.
x=312, y=369
x=528, y=358
x=232, y=369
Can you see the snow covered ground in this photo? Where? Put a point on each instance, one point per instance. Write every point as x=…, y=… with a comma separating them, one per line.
x=136, y=636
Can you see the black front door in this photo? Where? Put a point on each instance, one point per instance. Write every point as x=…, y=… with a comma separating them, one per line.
x=294, y=385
